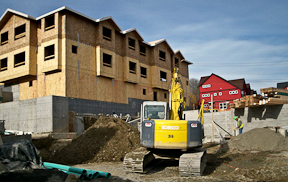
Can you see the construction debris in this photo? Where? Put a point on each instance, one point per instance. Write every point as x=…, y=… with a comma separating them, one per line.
x=269, y=96
x=18, y=155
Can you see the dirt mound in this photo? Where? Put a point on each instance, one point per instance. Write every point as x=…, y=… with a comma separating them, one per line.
x=259, y=139
x=108, y=139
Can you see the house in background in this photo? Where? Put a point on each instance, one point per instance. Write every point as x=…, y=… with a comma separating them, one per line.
x=222, y=91
x=283, y=85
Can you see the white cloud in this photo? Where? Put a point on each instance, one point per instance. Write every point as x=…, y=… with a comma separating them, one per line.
x=233, y=59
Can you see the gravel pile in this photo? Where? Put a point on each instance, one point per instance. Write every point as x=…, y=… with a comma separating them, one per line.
x=259, y=139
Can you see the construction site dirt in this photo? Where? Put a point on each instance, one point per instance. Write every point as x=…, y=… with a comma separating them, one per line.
x=256, y=155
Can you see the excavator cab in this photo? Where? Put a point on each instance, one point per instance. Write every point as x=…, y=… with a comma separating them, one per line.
x=153, y=110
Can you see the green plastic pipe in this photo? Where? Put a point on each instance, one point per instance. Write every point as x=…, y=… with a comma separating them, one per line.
x=57, y=166
x=91, y=174
x=94, y=173
x=64, y=167
x=102, y=174
x=78, y=170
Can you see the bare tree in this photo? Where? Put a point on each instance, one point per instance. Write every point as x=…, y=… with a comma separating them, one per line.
x=194, y=90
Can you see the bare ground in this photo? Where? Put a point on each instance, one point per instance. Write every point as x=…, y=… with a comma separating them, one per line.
x=222, y=165
x=256, y=155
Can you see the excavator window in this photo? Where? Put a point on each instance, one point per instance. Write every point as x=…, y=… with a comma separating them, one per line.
x=154, y=112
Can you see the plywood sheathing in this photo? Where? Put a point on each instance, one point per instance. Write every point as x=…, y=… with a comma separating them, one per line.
x=14, y=47
x=83, y=75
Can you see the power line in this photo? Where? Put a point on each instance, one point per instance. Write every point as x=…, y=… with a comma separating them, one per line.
x=219, y=64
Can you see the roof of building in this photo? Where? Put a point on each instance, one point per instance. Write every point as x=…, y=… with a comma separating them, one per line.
x=132, y=30
x=202, y=80
x=237, y=83
x=9, y=12
x=282, y=85
x=157, y=42
x=182, y=60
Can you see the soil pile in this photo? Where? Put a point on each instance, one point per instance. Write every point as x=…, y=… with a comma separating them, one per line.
x=108, y=139
x=259, y=139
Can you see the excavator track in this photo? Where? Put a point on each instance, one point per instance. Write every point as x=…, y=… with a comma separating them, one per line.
x=138, y=160
x=192, y=164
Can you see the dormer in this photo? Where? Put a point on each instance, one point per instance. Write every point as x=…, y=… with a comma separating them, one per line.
x=107, y=29
x=162, y=53
x=132, y=46
x=178, y=61
x=18, y=35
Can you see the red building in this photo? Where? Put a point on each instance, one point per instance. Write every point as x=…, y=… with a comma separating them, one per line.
x=223, y=91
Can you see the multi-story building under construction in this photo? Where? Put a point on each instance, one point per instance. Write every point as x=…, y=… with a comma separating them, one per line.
x=67, y=54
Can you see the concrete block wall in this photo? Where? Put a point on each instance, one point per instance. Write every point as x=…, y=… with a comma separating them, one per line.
x=50, y=113
x=33, y=115
x=14, y=89
x=91, y=106
x=60, y=114
x=254, y=117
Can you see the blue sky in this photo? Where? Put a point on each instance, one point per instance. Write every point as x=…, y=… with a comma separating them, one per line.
x=231, y=38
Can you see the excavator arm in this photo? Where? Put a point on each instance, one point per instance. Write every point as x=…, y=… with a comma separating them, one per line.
x=177, y=105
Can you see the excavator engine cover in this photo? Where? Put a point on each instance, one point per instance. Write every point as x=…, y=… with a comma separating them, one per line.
x=171, y=134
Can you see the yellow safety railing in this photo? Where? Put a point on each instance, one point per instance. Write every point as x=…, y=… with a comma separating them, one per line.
x=200, y=115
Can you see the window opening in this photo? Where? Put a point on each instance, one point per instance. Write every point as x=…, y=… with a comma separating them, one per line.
x=49, y=52
x=132, y=67
x=131, y=43
x=176, y=62
x=19, y=59
x=165, y=95
x=142, y=50
x=4, y=38
x=143, y=72
x=223, y=105
x=144, y=91
x=74, y=49
x=107, y=33
x=107, y=60
x=162, y=55
x=20, y=31
x=30, y=83
x=163, y=76
x=49, y=23
x=3, y=64
x=154, y=96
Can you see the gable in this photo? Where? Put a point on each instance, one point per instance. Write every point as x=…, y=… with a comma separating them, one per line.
x=133, y=33
x=9, y=13
x=214, y=83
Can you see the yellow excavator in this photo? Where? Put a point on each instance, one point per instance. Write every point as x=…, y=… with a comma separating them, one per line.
x=165, y=134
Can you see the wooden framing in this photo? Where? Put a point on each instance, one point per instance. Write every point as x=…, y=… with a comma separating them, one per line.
x=84, y=74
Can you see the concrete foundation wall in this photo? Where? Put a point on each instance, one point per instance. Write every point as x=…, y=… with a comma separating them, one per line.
x=254, y=117
x=33, y=115
x=51, y=113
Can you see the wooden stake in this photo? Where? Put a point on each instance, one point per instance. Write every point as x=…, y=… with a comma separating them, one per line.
x=212, y=117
